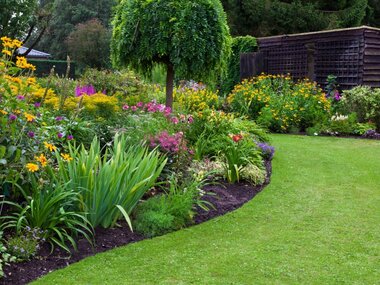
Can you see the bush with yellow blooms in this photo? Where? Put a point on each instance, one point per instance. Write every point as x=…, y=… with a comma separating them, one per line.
x=279, y=103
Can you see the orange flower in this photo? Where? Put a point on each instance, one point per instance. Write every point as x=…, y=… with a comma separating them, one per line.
x=29, y=117
x=32, y=167
x=41, y=159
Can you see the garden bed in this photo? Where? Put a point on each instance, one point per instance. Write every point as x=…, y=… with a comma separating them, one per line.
x=227, y=198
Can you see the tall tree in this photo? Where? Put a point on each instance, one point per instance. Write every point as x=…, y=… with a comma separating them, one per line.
x=191, y=38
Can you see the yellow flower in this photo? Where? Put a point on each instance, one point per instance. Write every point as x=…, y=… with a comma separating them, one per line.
x=29, y=117
x=41, y=159
x=32, y=167
x=50, y=146
x=3, y=112
x=7, y=52
x=66, y=157
x=31, y=80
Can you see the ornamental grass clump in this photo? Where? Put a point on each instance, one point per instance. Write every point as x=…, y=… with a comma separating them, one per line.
x=111, y=183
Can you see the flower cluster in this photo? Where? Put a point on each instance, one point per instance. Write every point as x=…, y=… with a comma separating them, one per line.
x=279, y=103
x=169, y=143
x=195, y=99
x=84, y=90
x=266, y=149
x=371, y=134
x=150, y=107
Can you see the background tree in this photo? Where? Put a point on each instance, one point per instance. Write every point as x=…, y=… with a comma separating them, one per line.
x=15, y=16
x=273, y=17
x=191, y=38
x=66, y=14
x=89, y=44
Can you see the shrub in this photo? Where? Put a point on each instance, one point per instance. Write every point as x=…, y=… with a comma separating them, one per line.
x=239, y=45
x=280, y=104
x=166, y=213
x=253, y=174
x=195, y=98
x=365, y=102
x=25, y=124
x=209, y=129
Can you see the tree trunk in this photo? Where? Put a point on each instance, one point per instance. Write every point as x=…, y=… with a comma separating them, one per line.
x=169, y=85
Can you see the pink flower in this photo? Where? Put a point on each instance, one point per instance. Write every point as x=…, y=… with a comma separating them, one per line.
x=140, y=104
x=133, y=108
x=125, y=107
x=174, y=120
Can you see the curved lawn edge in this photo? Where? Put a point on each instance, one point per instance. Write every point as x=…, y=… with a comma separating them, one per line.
x=317, y=222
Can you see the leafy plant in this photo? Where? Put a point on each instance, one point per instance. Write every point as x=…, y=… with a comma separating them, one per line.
x=365, y=102
x=166, y=213
x=112, y=183
x=5, y=257
x=25, y=245
x=279, y=103
x=51, y=208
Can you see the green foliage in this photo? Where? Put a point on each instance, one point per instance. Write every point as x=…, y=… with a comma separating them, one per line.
x=253, y=174
x=365, y=102
x=25, y=245
x=192, y=36
x=125, y=84
x=166, y=213
x=238, y=153
x=66, y=14
x=5, y=257
x=275, y=17
x=232, y=76
x=15, y=16
x=110, y=184
x=210, y=129
x=277, y=102
x=89, y=43
x=51, y=209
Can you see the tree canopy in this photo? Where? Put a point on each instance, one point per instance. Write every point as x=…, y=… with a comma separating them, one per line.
x=190, y=37
x=273, y=17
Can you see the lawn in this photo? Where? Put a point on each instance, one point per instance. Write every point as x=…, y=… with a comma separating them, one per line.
x=316, y=223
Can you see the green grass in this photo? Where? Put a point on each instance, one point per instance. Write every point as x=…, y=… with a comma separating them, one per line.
x=316, y=223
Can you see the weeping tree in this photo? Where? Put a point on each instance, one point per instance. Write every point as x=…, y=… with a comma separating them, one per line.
x=191, y=38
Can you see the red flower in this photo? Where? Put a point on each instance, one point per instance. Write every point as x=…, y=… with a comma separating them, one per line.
x=236, y=138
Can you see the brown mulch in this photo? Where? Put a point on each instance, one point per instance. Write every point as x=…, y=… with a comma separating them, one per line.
x=228, y=197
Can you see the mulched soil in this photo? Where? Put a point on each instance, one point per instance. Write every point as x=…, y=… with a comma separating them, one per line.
x=228, y=197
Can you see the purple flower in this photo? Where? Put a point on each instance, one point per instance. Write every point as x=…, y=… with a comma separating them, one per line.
x=190, y=119
x=37, y=104
x=70, y=137
x=84, y=90
x=12, y=117
x=60, y=135
x=337, y=96
x=20, y=97
x=59, y=118
x=31, y=134
x=267, y=150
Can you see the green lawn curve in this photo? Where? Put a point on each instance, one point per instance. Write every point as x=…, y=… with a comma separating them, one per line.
x=318, y=222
